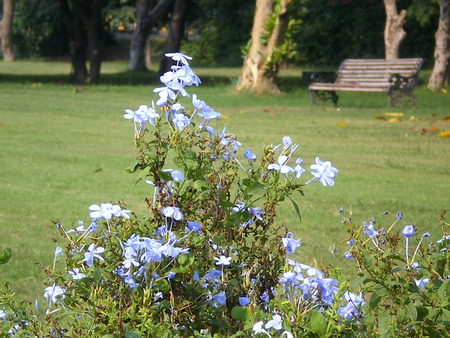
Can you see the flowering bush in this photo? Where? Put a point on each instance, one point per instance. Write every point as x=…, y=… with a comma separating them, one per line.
x=407, y=286
x=209, y=258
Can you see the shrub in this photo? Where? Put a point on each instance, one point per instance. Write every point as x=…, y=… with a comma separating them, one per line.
x=210, y=259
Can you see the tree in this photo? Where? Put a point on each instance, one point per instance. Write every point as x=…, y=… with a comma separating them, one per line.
x=441, y=70
x=6, y=31
x=261, y=63
x=79, y=72
x=176, y=32
x=393, y=31
x=146, y=18
x=84, y=21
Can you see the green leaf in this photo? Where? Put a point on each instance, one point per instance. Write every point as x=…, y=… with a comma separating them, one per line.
x=422, y=312
x=233, y=282
x=374, y=300
x=318, y=323
x=165, y=175
x=129, y=334
x=240, y=313
x=401, y=315
x=297, y=210
x=203, y=195
x=199, y=184
x=384, y=323
x=445, y=315
x=97, y=275
x=184, y=186
x=6, y=256
x=443, y=290
x=162, y=285
x=410, y=310
x=380, y=290
x=256, y=190
x=186, y=260
x=132, y=167
x=357, y=282
x=144, y=172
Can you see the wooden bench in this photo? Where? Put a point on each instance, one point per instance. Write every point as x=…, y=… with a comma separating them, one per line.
x=396, y=78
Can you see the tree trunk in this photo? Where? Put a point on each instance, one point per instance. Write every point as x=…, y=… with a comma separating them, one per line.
x=6, y=31
x=255, y=76
x=145, y=20
x=93, y=24
x=393, y=31
x=176, y=32
x=148, y=53
x=79, y=73
x=441, y=69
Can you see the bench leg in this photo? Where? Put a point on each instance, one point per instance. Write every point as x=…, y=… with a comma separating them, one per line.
x=320, y=97
x=397, y=98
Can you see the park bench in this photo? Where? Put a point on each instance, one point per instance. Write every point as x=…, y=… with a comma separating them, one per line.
x=396, y=78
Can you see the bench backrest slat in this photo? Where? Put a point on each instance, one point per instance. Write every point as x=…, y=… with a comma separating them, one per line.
x=375, y=72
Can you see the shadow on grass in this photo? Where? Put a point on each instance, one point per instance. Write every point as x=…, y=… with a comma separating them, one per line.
x=116, y=79
x=286, y=84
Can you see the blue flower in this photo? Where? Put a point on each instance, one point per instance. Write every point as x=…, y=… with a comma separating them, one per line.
x=58, y=252
x=92, y=253
x=220, y=298
x=352, y=308
x=177, y=175
x=281, y=166
x=298, y=170
x=408, y=231
x=257, y=212
x=275, y=323
x=194, y=226
x=288, y=277
x=164, y=95
x=179, y=57
x=421, y=282
x=244, y=301
x=348, y=255
x=212, y=274
x=76, y=274
x=172, y=212
x=249, y=156
x=290, y=243
x=238, y=207
x=399, y=215
x=369, y=230
x=324, y=172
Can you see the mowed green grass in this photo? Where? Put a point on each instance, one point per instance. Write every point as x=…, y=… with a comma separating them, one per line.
x=64, y=147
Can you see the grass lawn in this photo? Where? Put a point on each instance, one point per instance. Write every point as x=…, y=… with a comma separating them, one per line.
x=65, y=147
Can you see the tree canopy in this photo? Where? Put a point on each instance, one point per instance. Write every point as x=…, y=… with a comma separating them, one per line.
x=327, y=31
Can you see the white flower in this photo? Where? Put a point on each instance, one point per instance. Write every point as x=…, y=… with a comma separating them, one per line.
x=76, y=274
x=222, y=260
x=92, y=253
x=323, y=171
x=179, y=57
x=53, y=293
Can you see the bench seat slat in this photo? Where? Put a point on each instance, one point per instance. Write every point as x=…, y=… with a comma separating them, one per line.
x=347, y=88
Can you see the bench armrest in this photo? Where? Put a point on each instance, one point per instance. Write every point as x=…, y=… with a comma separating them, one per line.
x=403, y=82
x=323, y=77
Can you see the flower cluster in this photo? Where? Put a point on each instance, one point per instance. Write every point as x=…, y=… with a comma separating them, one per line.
x=141, y=253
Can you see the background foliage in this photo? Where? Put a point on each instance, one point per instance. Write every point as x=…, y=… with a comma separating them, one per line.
x=328, y=31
